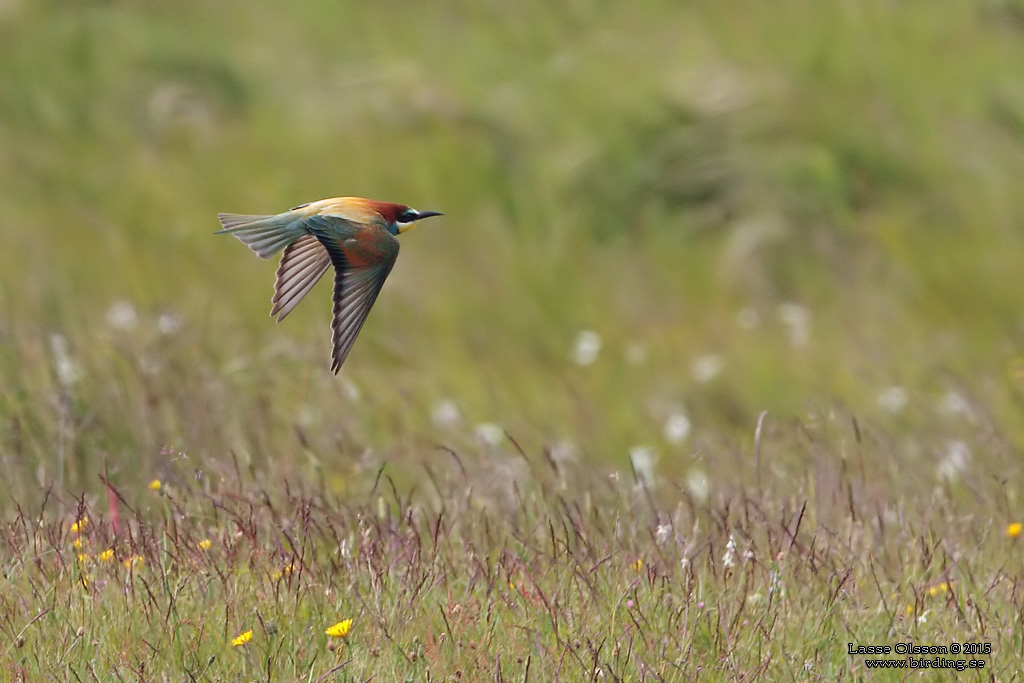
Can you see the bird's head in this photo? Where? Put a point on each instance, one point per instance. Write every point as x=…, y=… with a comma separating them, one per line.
x=400, y=217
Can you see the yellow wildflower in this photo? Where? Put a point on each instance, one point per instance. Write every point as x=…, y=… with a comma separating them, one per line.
x=155, y=485
x=1013, y=530
x=107, y=555
x=285, y=571
x=242, y=638
x=638, y=565
x=341, y=629
x=79, y=525
x=82, y=558
x=79, y=543
x=133, y=561
x=204, y=544
x=938, y=588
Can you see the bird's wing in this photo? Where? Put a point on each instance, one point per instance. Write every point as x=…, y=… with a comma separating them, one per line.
x=302, y=265
x=362, y=261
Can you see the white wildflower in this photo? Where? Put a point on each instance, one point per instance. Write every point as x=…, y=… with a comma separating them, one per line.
x=446, y=415
x=564, y=451
x=706, y=368
x=892, y=399
x=67, y=370
x=729, y=558
x=168, y=323
x=954, y=461
x=488, y=433
x=121, y=316
x=351, y=390
x=798, y=319
x=642, y=458
x=697, y=484
x=677, y=427
x=308, y=415
x=954, y=404
x=586, y=348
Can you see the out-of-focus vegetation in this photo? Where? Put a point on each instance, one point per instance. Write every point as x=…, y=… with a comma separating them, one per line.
x=661, y=220
x=817, y=201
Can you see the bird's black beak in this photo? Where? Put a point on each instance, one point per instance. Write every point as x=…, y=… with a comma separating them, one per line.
x=420, y=215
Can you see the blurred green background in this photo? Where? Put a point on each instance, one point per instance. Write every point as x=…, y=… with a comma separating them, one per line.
x=660, y=220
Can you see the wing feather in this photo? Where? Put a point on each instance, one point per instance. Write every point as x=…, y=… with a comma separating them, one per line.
x=354, y=295
x=302, y=265
x=362, y=264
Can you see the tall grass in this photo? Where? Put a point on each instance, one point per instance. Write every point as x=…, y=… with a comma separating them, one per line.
x=548, y=574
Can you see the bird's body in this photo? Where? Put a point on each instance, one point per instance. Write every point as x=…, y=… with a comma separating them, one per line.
x=355, y=235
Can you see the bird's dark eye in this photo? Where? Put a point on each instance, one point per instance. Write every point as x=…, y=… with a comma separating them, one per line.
x=407, y=216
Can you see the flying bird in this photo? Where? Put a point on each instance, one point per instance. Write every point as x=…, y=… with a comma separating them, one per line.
x=355, y=235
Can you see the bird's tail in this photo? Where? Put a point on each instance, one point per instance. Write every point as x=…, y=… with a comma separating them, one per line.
x=265, y=235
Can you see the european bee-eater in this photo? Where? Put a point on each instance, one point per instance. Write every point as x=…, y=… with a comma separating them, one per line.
x=355, y=235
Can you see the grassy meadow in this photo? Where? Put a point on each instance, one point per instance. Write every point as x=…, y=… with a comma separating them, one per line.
x=713, y=367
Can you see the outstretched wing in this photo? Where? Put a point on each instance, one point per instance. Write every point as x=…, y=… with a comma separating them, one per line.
x=361, y=262
x=302, y=265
